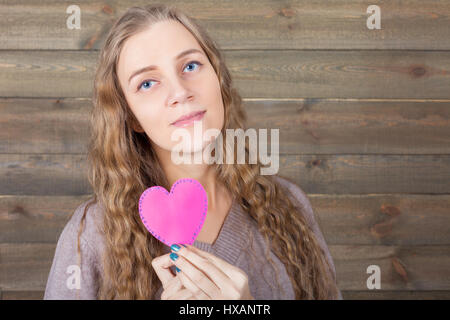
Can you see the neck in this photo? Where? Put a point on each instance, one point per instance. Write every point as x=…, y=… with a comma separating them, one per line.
x=203, y=173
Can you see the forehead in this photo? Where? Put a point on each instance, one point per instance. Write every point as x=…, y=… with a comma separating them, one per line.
x=163, y=40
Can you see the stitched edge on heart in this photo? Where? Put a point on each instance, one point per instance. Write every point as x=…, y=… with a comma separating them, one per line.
x=205, y=207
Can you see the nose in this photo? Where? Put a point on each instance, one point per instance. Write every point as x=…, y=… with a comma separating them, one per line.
x=179, y=93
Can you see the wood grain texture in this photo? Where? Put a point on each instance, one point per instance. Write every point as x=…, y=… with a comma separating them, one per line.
x=66, y=174
x=268, y=74
x=363, y=118
x=306, y=126
x=384, y=219
x=35, y=218
x=23, y=295
x=249, y=24
x=346, y=294
x=426, y=267
x=395, y=295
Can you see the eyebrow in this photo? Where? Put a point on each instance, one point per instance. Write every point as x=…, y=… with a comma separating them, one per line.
x=152, y=67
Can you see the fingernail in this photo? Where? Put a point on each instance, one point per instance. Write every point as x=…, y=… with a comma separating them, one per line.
x=173, y=256
x=178, y=270
x=175, y=247
x=183, y=245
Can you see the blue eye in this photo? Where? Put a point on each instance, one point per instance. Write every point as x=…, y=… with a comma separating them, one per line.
x=144, y=82
x=148, y=81
x=194, y=62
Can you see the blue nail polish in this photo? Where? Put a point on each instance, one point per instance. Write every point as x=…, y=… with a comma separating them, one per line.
x=175, y=247
x=183, y=245
x=173, y=256
x=178, y=270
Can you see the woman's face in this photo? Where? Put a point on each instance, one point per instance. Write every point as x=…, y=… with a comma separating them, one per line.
x=175, y=87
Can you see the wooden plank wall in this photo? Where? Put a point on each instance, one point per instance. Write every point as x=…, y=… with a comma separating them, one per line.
x=363, y=118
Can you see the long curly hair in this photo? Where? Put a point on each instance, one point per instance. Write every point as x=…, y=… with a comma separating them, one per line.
x=122, y=164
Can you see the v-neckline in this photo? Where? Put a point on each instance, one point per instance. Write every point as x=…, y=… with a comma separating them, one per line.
x=224, y=228
x=231, y=238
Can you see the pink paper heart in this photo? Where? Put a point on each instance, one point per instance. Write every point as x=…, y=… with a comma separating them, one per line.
x=175, y=217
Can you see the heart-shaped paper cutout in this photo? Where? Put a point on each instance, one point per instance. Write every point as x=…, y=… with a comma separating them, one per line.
x=175, y=217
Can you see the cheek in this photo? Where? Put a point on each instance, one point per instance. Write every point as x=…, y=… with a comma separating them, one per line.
x=215, y=118
x=155, y=124
x=219, y=114
x=160, y=134
x=152, y=113
x=219, y=109
x=214, y=100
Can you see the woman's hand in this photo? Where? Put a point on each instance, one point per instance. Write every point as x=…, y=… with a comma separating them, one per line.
x=173, y=288
x=176, y=291
x=208, y=277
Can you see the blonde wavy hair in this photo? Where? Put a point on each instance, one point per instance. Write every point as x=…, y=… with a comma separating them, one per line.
x=122, y=164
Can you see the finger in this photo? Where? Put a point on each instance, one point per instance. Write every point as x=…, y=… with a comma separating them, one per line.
x=172, y=287
x=203, y=261
x=183, y=294
x=228, y=269
x=198, y=277
x=161, y=265
x=196, y=292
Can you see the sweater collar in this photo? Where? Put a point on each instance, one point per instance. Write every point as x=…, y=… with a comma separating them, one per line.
x=232, y=237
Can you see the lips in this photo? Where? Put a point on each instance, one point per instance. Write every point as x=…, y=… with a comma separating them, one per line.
x=189, y=116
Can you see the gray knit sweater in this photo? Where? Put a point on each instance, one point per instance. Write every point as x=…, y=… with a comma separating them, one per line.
x=239, y=243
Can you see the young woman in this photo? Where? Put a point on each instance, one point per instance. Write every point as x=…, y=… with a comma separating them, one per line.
x=259, y=239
